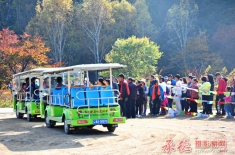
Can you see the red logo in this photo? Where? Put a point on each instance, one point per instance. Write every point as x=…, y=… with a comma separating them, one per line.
x=184, y=146
x=169, y=147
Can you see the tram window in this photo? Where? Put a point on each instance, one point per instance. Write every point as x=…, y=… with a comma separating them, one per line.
x=77, y=79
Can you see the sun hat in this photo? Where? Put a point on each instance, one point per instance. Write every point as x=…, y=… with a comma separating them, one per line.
x=143, y=80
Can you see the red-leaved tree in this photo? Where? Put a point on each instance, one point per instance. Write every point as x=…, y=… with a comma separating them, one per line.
x=19, y=53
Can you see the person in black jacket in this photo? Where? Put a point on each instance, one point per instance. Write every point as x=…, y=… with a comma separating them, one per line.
x=124, y=93
x=131, y=113
x=140, y=99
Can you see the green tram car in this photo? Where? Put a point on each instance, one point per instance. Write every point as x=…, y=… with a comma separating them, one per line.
x=75, y=103
x=26, y=95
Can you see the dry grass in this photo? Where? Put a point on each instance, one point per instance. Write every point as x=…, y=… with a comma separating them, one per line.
x=5, y=98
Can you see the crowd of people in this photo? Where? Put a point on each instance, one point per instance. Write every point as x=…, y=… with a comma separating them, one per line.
x=184, y=91
x=161, y=92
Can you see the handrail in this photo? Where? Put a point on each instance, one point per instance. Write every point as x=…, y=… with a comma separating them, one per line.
x=88, y=99
x=89, y=109
x=67, y=95
x=113, y=90
x=49, y=99
x=21, y=95
x=71, y=100
x=35, y=92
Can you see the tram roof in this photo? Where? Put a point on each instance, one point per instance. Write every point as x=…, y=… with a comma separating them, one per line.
x=35, y=72
x=86, y=67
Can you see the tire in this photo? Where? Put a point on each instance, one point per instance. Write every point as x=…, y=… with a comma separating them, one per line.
x=67, y=128
x=18, y=115
x=49, y=123
x=29, y=116
x=110, y=128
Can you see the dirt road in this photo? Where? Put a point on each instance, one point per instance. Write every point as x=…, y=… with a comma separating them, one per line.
x=137, y=136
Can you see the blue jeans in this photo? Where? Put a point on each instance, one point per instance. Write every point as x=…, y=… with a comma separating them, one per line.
x=232, y=109
x=227, y=108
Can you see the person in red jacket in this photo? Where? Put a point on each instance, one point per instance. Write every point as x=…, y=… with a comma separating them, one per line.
x=124, y=93
x=222, y=85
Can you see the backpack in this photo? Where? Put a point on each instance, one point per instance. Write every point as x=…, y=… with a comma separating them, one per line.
x=162, y=96
x=173, y=82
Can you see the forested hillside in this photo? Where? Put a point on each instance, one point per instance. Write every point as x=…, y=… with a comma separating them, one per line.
x=192, y=34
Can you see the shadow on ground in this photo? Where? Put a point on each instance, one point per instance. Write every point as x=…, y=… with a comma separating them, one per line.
x=18, y=135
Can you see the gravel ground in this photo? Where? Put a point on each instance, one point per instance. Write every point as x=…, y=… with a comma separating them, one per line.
x=138, y=136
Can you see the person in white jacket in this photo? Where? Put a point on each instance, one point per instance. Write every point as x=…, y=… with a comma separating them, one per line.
x=178, y=93
x=184, y=102
x=163, y=84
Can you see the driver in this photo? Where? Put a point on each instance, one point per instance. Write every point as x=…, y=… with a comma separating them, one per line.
x=32, y=88
x=27, y=84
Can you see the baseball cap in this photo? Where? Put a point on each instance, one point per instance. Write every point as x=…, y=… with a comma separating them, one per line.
x=217, y=73
x=131, y=79
x=155, y=81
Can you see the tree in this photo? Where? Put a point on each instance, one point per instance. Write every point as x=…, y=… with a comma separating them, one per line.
x=125, y=15
x=51, y=21
x=19, y=53
x=96, y=20
x=212, y=13
x=139, y=54
x=16, y=14
x=223, y=44
x=180, y=20
x=196, y=57
x=144, y=26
